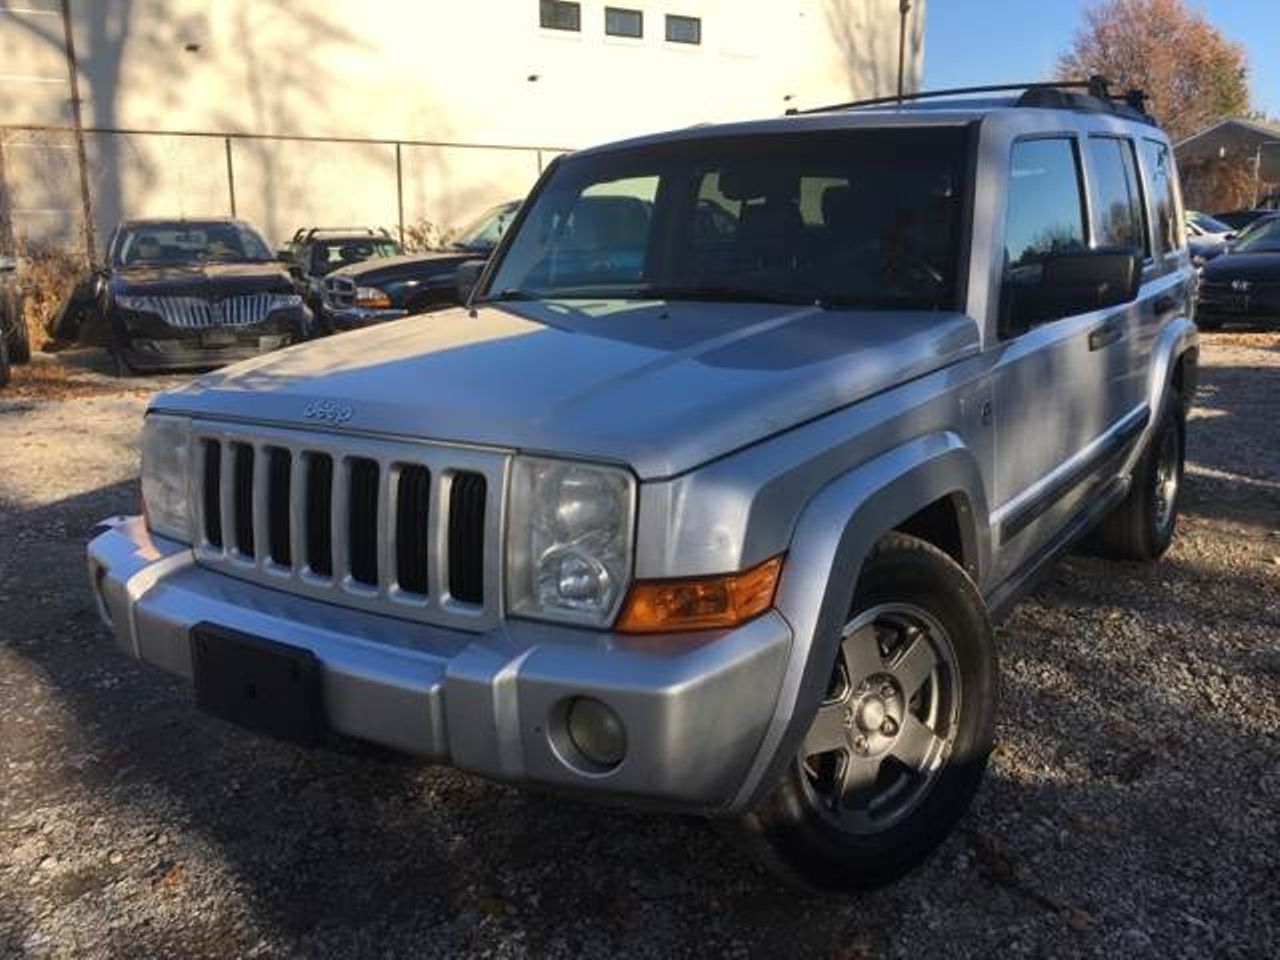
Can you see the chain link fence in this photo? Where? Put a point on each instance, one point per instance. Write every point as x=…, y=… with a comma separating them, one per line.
x=279, y=183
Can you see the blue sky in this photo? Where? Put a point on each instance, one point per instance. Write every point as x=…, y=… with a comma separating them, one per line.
x=970, y=42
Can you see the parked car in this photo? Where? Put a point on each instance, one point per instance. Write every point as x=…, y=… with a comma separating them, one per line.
x=704, y=509
x=1208, y=228
x=15, y=345
x=182, y=294
x=387, y=288
x=1239, y=219
x=1243, y=285
x=315, y=252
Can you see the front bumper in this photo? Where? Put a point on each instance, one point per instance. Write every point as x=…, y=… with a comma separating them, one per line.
x=488, y=702
x=352, y=318
x=151, y=344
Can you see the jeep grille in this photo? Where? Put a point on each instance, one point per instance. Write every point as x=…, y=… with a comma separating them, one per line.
x=407, y=529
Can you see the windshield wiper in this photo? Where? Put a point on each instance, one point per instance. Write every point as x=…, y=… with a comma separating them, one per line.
x=511, y=293
x=715, y=294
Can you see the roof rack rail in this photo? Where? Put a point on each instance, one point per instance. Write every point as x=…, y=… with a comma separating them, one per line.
x=305, y=234
x=1055, y=94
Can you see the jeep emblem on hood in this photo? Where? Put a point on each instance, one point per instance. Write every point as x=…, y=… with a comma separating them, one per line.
x=328, y=410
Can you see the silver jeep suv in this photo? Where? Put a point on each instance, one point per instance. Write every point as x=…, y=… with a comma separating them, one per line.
x=708, y=500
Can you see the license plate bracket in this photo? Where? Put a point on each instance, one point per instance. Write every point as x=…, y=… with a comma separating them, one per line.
x=263, y=685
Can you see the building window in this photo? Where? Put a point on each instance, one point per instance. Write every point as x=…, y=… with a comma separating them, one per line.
x=560, y=15
x=683, y=29
x=623, y=23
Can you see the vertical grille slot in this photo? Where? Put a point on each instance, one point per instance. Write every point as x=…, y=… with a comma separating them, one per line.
x=413, y=496
x=319, y=514
x=466, y=537
x=212, y=491
x=280, y=469
x=243, y=498
x=362, y=521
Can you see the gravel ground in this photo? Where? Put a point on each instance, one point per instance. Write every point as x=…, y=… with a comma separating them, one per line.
x=1131, y=808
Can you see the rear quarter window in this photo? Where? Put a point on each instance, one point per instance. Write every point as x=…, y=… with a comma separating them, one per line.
x=1158, y=171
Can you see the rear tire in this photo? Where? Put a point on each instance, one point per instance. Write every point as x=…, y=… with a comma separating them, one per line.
x=899, y=744
x=20, y=340
x=1142, y=527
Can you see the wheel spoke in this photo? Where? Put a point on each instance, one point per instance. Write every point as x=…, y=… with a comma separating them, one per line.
x=915, y=663
x=858, y=781
x=862, y=653
x=828, y=731
x=915, y=743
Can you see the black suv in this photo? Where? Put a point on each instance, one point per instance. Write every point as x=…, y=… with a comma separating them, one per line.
x=15, y=347
x=387, y=288
x=192, y=293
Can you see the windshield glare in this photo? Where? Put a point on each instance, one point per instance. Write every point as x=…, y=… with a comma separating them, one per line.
x=482, y=234
x=186, y=243
x=1261, y=238
x=863, y=218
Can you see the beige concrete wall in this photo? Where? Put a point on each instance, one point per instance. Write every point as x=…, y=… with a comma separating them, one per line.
x=407, y=69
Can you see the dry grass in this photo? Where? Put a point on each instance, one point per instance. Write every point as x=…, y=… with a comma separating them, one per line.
x=47, y=274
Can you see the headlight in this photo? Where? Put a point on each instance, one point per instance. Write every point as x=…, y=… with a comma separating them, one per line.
x=138, y=304
x=372, y=298
x=569, y=547
x=165, y=442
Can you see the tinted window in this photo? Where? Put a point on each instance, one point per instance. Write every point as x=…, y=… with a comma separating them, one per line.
x=869, y=219
x=560, y=15
x=1159, y=172
x=1046, y=212
x=684, y=29
x=1262, y=238
x=328, y=255
x=623, y=23
x=1117, y=201
x=483, y=233
x=193, y=242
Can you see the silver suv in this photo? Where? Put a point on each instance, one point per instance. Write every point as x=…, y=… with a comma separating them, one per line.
x=709, y=499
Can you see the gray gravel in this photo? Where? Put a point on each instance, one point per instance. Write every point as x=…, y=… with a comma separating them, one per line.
x=1131, y=809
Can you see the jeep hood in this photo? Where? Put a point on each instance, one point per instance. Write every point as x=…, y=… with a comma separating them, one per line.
x=662, y=387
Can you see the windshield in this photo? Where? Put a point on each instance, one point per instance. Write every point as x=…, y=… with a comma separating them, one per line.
x=862, y=218
x=1253, y=228
x=482, y=234
x=1263, y=237
x=329, y=255
x=187, y=243
x=1207, y=223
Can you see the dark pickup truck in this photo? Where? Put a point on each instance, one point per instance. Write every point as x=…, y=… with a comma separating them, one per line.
x=386, y=288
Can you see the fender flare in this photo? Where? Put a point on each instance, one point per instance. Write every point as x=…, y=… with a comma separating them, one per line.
x=831, y=540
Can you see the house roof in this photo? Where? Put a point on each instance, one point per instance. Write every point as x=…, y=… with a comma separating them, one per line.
x=1231, y=134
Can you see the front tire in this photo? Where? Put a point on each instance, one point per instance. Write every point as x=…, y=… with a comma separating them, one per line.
x=900, y=741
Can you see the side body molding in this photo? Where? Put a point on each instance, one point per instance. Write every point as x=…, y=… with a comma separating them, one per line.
x=832, y=538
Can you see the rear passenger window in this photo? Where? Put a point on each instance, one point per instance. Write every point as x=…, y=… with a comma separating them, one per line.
x=1117, y=201
x=1159, y=171
x=1046, y=209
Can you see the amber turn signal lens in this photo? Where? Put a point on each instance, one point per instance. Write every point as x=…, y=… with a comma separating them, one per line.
x=374, y=302
x=700, y=603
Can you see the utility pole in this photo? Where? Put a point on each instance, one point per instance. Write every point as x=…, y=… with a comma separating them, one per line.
x=73, y=77
x=904, y=8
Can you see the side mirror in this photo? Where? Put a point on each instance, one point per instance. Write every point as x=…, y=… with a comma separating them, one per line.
x=1066, y=284
x=466, y=278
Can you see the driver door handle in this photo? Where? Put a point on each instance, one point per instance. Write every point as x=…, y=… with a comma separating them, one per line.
x=1105, y=333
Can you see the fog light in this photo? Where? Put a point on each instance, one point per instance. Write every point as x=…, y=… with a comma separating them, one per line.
x=596, y=732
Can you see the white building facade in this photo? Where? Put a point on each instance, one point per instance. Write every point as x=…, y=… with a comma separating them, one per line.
x=388, y=112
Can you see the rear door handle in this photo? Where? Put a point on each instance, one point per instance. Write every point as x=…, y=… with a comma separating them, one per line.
x=1104, y=334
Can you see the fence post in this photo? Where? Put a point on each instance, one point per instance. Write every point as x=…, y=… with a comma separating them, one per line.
x=400, y=192
x=74, y=80
x=6, y=219
x=231, y=175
